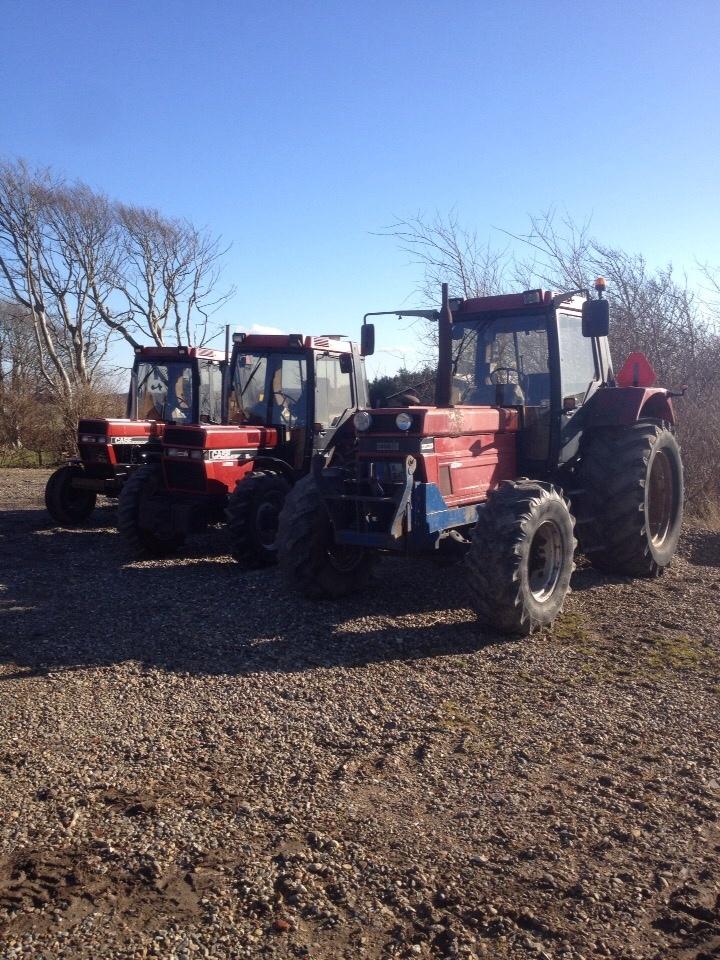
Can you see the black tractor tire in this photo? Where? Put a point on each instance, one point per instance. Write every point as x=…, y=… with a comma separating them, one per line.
x=313, y=564
x=629, y=505
x=520, y=561
x=67, y=505
x=252, y=512
x=142, y=484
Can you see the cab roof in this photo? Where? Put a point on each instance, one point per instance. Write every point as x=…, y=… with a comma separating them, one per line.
x=528, y=300
x=284, y=341
x=180, y=353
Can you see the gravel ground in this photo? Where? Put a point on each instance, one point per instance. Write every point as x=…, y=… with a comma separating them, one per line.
x=195, y=764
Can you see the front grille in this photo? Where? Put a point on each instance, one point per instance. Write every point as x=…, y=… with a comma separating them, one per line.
x=130, y=452
x=90, y=453
x=182, y=475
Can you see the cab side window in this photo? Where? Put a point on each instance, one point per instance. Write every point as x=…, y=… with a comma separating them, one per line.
x=333, y=393
x=577, y=361
x=210, y=392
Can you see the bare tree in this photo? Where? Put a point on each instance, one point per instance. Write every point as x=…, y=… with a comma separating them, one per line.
x=448, y=253
x=83, y=270
x=161, y=276
x=39, y=273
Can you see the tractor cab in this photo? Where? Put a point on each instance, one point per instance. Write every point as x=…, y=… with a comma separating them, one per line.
x=176, y=385
x=529, y=352
x=304, y=389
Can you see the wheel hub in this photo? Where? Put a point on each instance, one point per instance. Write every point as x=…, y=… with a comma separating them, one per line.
x=661, y=496
x=545, y=560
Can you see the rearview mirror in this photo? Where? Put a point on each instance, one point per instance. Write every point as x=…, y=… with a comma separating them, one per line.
x=367, y=339
x=345, y=363
x=595, y=318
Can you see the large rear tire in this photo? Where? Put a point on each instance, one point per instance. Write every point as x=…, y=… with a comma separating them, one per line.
x=315, y=565
x=135, y=499
x=253, y=510
x=630, y=504
x=66, y=504
x=521, y=558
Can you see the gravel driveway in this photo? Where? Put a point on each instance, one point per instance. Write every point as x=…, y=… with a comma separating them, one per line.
x=194, y=763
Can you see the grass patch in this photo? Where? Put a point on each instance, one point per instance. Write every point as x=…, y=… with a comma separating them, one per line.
x=679, y=652
x=27, y=458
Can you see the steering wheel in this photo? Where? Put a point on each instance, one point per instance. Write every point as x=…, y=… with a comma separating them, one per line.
x=507, y=370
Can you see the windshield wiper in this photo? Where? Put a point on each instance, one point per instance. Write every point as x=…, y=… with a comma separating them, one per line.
x=249, y=379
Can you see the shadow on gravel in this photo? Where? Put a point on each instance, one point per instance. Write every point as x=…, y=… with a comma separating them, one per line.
x=704, y=548
x=71, y=599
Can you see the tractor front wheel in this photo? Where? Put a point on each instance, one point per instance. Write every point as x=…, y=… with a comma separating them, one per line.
x=314, y=564
x=253, y=510
x=66, y=504
x=521, y=558
x=136, y=505
x=630, y=503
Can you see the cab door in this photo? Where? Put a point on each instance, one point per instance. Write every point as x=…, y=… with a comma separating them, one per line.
x=580, y=376
x=334, y=396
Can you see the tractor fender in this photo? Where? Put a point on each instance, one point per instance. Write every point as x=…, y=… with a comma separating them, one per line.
x=621, y=406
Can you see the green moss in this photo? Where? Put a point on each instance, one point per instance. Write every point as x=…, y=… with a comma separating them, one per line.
x=570, y=628
x=679, y=652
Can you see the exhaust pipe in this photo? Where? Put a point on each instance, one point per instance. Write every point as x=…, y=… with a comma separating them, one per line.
x=225, y=399
x=443, y=384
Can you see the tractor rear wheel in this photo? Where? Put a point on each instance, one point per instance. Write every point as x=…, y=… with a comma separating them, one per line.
x=252, y=512
x=314, y=564
x=135, y=500
x=521, y=558
x=630, y=503
x=66, y=504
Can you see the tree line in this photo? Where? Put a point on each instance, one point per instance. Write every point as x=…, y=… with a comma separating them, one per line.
x=77, y=272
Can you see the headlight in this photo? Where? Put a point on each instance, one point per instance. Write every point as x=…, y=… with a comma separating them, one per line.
x=403, y=421
x=362, y=420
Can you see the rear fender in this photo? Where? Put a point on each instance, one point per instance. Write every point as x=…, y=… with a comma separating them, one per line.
x=621, y=406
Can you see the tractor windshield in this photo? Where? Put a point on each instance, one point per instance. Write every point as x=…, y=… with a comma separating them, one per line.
x=269, y=388
x=164, y=391
x=501, y=361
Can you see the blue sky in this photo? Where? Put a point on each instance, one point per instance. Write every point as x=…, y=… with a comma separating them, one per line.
x=299, y=129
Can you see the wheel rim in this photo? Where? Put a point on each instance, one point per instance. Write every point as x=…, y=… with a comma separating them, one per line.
x=545, y=560
x=661, y=497
x=266, y=522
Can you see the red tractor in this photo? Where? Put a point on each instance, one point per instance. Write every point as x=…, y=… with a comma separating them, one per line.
x=168, y=385
x=532, y=441
x=289, y=397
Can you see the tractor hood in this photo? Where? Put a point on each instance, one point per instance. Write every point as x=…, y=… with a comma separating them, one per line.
x=212, y=437
x=440, y=421
x=120, y=428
